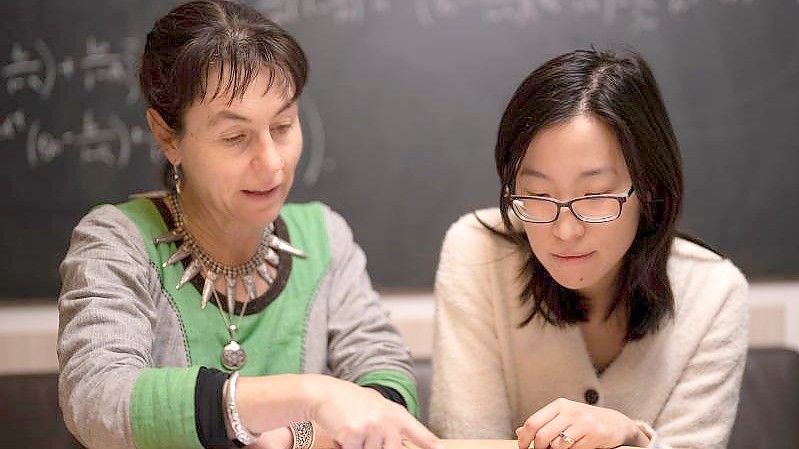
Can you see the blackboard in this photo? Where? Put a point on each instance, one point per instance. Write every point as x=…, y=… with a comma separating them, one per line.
x=400, y=116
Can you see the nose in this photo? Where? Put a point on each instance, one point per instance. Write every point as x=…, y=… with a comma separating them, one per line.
x=267, y=156
x=567, y=226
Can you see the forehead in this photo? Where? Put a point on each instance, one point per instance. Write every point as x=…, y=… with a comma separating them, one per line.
x=578, y=145
x=224, y=87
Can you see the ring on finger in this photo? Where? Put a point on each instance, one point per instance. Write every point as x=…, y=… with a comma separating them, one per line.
x=566, y=439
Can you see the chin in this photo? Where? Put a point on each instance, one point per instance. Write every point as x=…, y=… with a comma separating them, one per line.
x=268, y=216
x=572, y=280
x=260, y=217
x=261, y=212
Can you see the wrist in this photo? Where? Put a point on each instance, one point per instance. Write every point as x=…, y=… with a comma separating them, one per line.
x=292, y=394
x=234, y=423
x=374, y=391
x=247, y=399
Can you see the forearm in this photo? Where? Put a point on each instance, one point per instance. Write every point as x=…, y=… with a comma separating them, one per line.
x=94, y=415
x=294, y=396
x=291, y=397
x=348, y=412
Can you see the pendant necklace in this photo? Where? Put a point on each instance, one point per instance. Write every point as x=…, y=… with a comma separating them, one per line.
x=233, y=355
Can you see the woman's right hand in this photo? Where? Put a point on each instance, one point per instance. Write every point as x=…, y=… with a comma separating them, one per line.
x=355, y=417
x=361, y=418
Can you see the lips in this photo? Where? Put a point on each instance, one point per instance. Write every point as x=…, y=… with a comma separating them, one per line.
x=263, y=196
x=573, y=257
x=262, y=192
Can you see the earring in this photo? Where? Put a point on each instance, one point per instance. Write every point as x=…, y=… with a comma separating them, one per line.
x=176, y=177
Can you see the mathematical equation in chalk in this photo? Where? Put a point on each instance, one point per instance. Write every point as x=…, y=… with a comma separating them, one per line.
x=638, y=15
x=340, y=11
x=109, y=142
x=35, y=67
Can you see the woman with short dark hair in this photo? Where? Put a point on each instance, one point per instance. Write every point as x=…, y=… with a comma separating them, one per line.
x=575, y=315
x=205, y=316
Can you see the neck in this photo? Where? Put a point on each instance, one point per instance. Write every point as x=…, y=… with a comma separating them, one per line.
x=599, y=304
x=224, y=239
x=601, y=296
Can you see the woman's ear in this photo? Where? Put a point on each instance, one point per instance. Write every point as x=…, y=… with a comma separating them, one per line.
x=164, y=135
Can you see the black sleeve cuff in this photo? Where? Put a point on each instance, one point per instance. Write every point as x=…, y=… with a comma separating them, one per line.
x=209, y=409
x=389, y=393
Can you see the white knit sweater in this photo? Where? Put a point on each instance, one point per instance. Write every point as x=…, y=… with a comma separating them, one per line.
x=489, y=375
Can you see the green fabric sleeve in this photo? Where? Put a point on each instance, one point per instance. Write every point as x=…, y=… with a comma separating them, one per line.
x=398, y=381
x=162, y=409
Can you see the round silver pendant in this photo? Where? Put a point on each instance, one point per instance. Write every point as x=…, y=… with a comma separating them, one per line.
x=233, y=356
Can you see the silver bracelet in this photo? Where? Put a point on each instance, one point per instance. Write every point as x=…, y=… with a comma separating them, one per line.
x=303, y=435
x=241, y=432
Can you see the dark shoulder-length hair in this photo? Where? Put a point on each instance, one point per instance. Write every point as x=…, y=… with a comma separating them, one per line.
x=204, y=38
x=620, y=90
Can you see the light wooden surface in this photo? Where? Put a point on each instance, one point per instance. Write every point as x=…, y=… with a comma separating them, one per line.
x=482, y=444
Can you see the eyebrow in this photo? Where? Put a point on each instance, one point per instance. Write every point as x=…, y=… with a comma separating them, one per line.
x=230, y=115
x=586, y=174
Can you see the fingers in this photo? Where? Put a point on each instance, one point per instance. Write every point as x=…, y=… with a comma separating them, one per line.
x=527, y=432
x=418, y=434
x=568, y=438
x=584, y=435
x=573, y=426
x=361, y=418
x=392, y=439
x=387, y=437
x=385, y=429
x=352, y=440
x=374, y=440
x=548, y=433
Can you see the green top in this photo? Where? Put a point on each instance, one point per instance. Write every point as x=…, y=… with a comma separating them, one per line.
x=326, y=319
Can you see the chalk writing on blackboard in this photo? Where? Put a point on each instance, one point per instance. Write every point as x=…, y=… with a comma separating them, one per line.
x=12, y=125
x=100, y=64
x=314, y=129
x=36, y=67
x=340, y=11
x=109, y=143
x=106, y=140
x=638, y=15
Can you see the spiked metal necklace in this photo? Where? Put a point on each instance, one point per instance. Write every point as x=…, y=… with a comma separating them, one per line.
x=233, y=355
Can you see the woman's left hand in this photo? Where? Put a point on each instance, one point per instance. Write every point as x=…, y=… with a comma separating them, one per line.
x=565, y=424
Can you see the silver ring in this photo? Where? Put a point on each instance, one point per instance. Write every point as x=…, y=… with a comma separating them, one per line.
x=303, y=435
x=566, y=439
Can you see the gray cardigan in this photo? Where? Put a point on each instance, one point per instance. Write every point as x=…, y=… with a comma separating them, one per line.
x=116, y=320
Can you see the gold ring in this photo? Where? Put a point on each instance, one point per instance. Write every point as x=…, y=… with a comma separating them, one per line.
x=567, y=439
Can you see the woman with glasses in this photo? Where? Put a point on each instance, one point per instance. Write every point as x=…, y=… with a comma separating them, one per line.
x=575, y=315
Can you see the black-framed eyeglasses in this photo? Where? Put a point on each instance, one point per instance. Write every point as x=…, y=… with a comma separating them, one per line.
x=589, y=208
